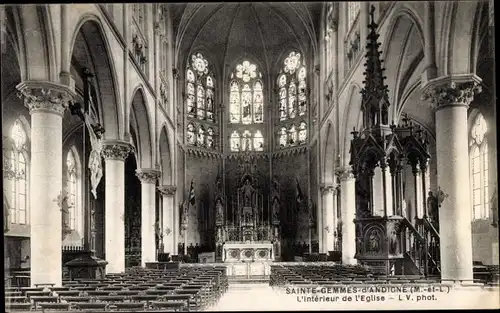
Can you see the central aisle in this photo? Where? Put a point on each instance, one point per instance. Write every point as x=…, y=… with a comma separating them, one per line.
x=249, y=297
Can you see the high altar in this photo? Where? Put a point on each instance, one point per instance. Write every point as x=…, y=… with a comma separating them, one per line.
x=251, y=234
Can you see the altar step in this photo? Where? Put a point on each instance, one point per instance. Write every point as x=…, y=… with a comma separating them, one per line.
x=256, y=279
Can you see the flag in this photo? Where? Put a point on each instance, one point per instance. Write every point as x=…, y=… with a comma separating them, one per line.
x=299, y=195
x=192, y=199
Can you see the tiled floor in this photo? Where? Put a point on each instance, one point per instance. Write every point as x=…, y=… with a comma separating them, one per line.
x=249, y=297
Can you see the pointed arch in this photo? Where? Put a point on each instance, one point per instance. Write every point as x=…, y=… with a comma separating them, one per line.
x=141, y=122
x=352, y=115
x=36, y=47
x=89, y=33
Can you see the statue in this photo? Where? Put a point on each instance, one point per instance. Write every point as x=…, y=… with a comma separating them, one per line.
x=432, y=207
x=218, y=185
x=219, y=210
x=276, y=210
x=403, y=208
x=275, y=192
x=374, y=242
x=95, y=162
x=494, y=207
x=247, y=193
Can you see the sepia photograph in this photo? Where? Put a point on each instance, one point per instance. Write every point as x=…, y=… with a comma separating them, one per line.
x=249, y=156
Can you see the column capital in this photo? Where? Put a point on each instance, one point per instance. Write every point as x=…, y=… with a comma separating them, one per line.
x=328, y=188
x=167, y=190
x=116, y=150
x=345, y=174
x=45, y=96
x=148, y=175
x=456, y=90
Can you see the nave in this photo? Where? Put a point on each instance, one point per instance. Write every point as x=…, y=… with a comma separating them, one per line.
x=164, y=141
x=207, y=288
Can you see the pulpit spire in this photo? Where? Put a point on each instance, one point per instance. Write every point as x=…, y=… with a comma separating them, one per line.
x=375, y=99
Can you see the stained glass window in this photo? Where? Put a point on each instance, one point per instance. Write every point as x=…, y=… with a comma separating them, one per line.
x=18, y=135
x=478, y=157
x=246, y=141
x=292, y=136
x=19, y=166
x=246, y=106
x=191, y=139
x=302, y=133
x=258, y=141
x=283, y=137
x=201, y=137
x=200, y=101
x=292, y=87
x=292, y=62
x=292, y=100
x=210, y=138
x=258, y=102
x=200, y=89
x=246, y=95
x=235, y=141
x=234, y=100
x=246, y=71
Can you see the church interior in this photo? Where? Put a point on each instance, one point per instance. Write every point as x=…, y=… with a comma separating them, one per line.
x=156, y=155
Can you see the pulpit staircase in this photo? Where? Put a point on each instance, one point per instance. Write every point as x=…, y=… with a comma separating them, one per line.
x=421, y=248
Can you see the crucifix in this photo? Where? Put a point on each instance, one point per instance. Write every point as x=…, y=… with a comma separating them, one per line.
x=95, y=131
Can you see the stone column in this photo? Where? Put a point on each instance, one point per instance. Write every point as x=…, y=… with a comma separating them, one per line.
x=319, y=222
x=148, y=178
x=115, y=153
x=451, y=96
x=329, y=212
x=47, y=103
x=167, y=218
x=348, y=212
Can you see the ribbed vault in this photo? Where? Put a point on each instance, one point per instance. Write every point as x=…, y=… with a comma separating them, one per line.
x=229, y=30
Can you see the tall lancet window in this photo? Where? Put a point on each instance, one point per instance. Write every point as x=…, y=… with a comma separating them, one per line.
x=200, y=85
x=75, y=213
x=478, y=158
x=200, y=102
x=292, y=101
x=18, y=167
x=246, y=108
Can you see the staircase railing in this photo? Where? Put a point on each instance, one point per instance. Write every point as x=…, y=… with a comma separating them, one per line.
x=413, y=244
x=431, y=235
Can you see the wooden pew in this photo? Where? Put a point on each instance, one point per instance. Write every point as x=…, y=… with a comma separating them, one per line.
x=55, y=306
x=170, y=305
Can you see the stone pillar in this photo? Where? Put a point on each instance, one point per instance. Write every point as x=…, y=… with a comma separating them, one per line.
x=348, y=212
x=329, y=212
x=115, y=153
x=47, y=103
x=148, y=178
x=319, y=222
x=167, y=218
x=451, y=96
